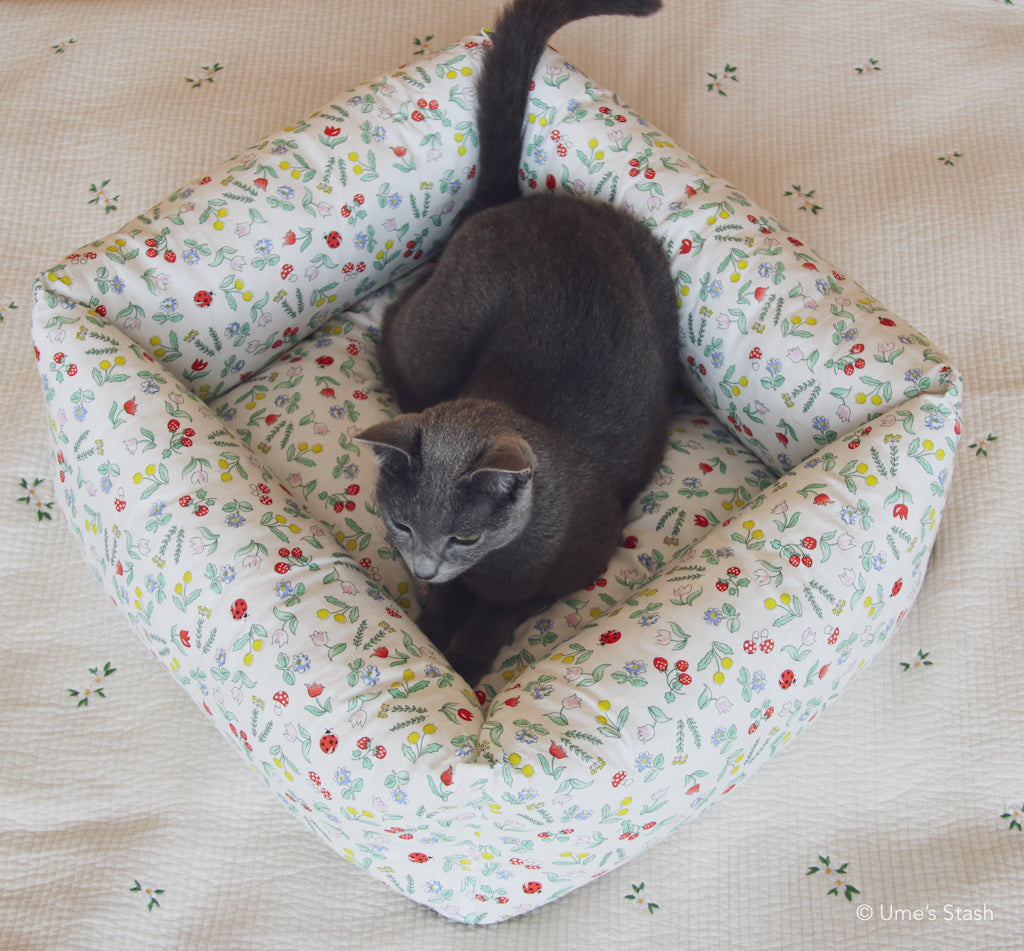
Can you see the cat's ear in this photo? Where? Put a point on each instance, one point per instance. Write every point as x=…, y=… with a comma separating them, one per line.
x=506, y=467
x=395, y=442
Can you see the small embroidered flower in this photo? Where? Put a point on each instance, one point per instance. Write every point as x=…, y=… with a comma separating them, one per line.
x=31, y=498
x=86, y=693
x=718, y=80
x=836, y=876
x=106, y=201
x=980, y=447
x=150, y=893
x=206, y=76
x=638, y=898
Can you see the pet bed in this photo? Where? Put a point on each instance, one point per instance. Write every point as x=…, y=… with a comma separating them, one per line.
x=207, y=366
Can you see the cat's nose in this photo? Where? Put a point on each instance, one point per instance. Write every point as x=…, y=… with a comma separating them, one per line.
x=425, y=569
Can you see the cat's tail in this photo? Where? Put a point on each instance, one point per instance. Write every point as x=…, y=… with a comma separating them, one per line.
x=519, y=38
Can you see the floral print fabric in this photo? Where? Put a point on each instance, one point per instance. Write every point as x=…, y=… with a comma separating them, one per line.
x=206, y=367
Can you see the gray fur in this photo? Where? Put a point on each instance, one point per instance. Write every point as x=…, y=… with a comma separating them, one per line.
x=534, y=365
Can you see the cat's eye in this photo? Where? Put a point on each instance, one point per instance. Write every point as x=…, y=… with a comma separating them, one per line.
x=401, y=527
x=465, y=539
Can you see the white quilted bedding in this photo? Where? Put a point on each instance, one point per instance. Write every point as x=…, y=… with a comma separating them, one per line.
x=889, y=134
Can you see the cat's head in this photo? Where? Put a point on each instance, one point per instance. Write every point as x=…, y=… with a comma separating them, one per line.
x=451, y=489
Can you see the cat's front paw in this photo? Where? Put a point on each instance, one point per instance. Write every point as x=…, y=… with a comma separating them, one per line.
x=438, y=629
x=470, y=667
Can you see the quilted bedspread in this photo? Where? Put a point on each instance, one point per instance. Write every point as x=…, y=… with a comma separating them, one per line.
x=888, y=133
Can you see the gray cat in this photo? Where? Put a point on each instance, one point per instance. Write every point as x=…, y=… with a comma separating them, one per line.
x=534, y=365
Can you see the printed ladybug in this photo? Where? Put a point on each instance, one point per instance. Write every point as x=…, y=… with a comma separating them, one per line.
x=328, y=742
x=787, y=679
x=333, y=239
x=610, y=637
x=203, y=298
x=418, y=857
x=239, y=609
x=532, y=888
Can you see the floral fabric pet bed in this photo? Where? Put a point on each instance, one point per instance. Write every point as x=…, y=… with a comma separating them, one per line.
x=206, y=367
